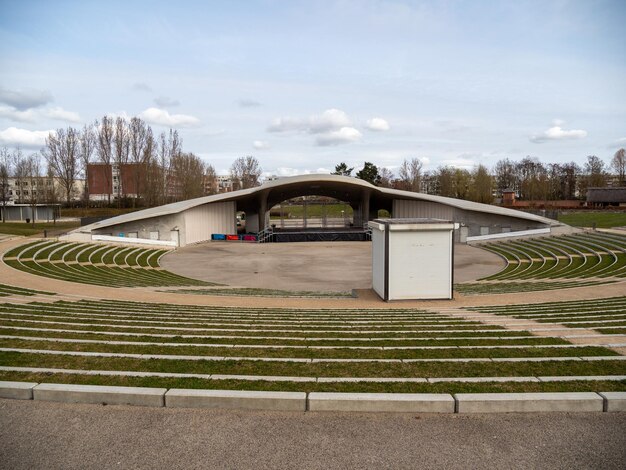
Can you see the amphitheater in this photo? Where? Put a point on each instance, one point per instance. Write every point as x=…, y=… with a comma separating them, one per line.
x=86, y=313
x=531, y=314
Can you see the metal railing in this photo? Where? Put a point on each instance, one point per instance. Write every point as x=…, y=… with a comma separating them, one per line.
x=266, y=235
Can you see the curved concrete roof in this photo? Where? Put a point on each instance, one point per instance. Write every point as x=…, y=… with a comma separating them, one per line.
x=306, y=181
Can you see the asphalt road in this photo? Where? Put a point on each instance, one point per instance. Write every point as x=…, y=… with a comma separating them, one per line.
x=52, y=435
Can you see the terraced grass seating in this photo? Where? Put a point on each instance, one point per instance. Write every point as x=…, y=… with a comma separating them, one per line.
x=477, y=288
x=395, y=349
x=97, y=264
x=253, y=292
x=606, y=316
x=6, y=291
x=588, y=255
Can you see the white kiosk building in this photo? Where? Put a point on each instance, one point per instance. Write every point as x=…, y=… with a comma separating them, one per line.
x=412, y=258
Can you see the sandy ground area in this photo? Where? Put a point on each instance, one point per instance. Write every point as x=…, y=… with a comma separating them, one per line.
x=311, y=266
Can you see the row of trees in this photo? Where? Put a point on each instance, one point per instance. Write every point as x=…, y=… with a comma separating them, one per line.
x=529, y=178
x=157, y=168
x=160, y=172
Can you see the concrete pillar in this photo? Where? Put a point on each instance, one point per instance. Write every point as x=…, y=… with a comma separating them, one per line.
x=263, y=219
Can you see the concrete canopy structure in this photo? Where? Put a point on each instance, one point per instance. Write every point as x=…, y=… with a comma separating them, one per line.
x=195, y=220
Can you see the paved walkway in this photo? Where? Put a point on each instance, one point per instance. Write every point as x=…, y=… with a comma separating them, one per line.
x=55, y=435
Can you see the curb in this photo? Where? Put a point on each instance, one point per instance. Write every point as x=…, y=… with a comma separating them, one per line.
x=319, y=401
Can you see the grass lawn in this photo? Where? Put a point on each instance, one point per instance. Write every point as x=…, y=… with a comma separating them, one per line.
x=587, y=219
x=24, y=229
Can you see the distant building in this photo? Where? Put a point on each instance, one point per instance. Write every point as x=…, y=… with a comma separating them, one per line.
x=508, y=197
x=607, y=196
x=225, y=184
x=41, y=189
x=111, y=181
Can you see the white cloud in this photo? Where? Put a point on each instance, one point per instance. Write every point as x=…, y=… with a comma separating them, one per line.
x=377, y=124
x=558, y=122
x=162, y=118
x=13, y=136
x=32, y=115
x=25, y=99
x=332, y=127
x=61, y=114
x=260, y=144
x=460, y=162
x=286, y=171
x=17, y=115
x=329, y=120
x=425, y=160
x=558, y=133
x=619, y=143
x=166, y=102
x=345, y=135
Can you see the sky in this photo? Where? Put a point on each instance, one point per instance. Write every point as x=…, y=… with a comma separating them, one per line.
x=304, y=85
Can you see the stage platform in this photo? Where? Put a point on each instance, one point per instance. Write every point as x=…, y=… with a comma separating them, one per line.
x=319, y=235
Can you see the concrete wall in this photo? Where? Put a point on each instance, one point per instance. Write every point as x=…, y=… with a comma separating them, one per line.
x=203, y=221
x=403, y=209
x=473, y=220
x=21, y=213
x=163, y=225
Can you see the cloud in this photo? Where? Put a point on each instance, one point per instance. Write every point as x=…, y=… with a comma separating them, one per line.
x=287, y=171
x=141, y=86
x=32, y=115
x=329, y=120
x=345, y=135
x=166, y=102
x=25, y=98
x=460, y=162
x=377, y=125
x=558, y=133
x=425, y=160
x=14, y=137
x=17, y=115
x=260, y=145
x=332, y=127
x=247, y=103
x=61, y=114
x=162, y=118
x=619, y=143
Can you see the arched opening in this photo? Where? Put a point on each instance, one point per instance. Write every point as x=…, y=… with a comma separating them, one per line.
x=311, y=212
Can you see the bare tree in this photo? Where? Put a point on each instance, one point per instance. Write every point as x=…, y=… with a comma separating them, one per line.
x=210, y=180
x=246, y=172
x=62, y=154
x=594, y=174
x=411, y=175
x=386, y=177
x=6, y=165
x=505, y=174
x=87, y=145
x=122, y=151
x=139, y=133
x=189, y=172
x=28, y=177
x=104, y=147
x=619, y=165
x=169, y=145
